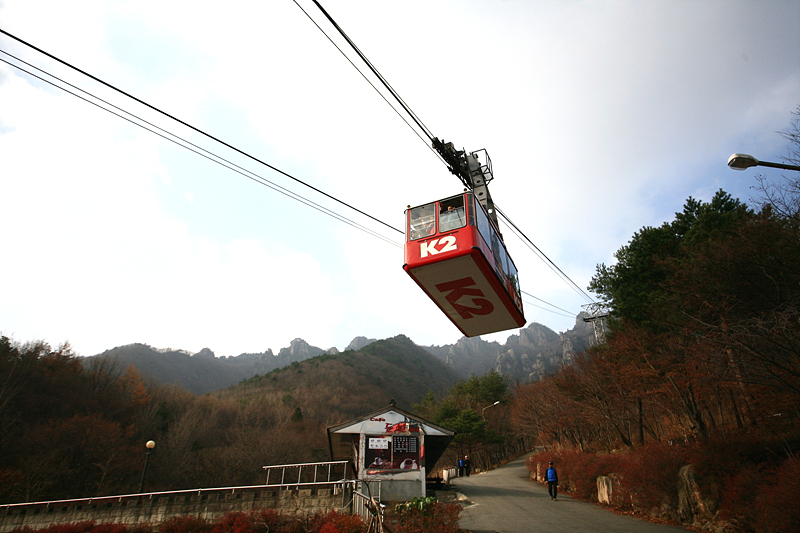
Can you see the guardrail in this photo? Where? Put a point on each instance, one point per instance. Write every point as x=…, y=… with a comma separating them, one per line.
x=325, y=473
x=120, y=497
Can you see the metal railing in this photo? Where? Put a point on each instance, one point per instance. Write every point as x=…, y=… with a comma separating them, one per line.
x=149, y=495
x=331, y=473
x=371, y=511
x=304, y=474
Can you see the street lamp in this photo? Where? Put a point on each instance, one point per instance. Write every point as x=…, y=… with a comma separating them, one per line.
x=744, y=161
x=483, y=414
x=150, y=445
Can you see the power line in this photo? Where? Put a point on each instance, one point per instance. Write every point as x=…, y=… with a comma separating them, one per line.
x=383, y=80
x=380, y=77
x=198, y=130
x=196, y=149
x=519, y=233
x=548, y=303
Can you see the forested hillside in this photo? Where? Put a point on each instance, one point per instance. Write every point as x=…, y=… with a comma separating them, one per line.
x=335, y=387
x=69, y=429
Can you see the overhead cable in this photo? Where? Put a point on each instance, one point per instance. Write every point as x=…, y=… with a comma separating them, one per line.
x=196, y=149
x=383, y=80
x=521, y=235
x=406, y=108
x=199, y=130
x=548, y=303
x=527, y=303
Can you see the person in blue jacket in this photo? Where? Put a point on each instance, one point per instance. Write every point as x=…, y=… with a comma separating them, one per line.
x=551, y=476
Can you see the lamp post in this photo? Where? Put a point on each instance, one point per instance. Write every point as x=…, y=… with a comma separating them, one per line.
x=744, y=161
x=483, y=414
x=149, y=446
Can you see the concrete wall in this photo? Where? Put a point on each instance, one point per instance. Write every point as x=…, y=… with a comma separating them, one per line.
x=156, y=509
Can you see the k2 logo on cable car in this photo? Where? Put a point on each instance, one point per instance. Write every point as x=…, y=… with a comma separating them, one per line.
x=455, y=290
x=429, y=248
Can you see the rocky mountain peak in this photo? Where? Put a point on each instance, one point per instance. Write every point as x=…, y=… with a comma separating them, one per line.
x=205, y=353
x=358, y=343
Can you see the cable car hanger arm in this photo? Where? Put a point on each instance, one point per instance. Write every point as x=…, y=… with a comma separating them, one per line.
x=468, y=168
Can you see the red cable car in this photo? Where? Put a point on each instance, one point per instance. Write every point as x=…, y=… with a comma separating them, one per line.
x=455, y=253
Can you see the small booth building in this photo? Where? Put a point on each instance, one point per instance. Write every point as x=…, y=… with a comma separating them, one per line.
x=391, y=446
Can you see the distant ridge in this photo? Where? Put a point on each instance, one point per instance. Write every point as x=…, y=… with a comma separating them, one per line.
x=527, y=356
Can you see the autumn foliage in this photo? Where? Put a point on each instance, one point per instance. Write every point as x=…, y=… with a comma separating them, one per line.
x=701, y=365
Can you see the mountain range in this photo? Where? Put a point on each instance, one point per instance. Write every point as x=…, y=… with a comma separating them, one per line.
x=532, y=353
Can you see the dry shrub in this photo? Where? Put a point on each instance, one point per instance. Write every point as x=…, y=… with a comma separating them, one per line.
x=89, y=526
x=185, y=524
x=435, y=518
x=334, y=522
x=776, y=505
x=109, y=528
x=74, y=527
x=650, y=474
x=235, y=522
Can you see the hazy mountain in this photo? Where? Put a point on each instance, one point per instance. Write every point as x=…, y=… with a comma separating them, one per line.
x=204, y=372
x=334, y=387
x=535, y=351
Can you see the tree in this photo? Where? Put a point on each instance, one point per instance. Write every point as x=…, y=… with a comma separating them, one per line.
x=784, y=195
x=634, y=288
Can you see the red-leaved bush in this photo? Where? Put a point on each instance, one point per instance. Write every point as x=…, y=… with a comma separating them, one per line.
x=744, y=481
x=650, y=476
x=776, y=505
x=334, y=522
x=255, y=521
x=435, y=518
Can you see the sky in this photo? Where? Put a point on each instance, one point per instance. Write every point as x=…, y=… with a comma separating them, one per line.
x=600, y=118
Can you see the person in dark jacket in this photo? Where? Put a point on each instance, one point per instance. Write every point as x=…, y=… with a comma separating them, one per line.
x=551, y=476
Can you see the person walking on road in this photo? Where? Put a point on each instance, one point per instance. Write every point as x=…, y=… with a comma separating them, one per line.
x=551, y=476
x=467, y=466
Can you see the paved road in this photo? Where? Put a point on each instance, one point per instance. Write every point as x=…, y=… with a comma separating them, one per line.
x=504, y=501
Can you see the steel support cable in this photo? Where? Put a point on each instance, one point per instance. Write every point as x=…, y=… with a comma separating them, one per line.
x=527, y=303
x=255, y=177
x=373, y=69
x=371, y=84
x=197, y=130
x=199, y=151
x=521, y=235
x=405, y=107
x=548, y=303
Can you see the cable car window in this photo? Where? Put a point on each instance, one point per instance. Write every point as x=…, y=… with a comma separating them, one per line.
x=483, y=224
x=496, y=246
x=451, y=214
x=514, y=275
x=502, y=257
x=422, y=221
x=471, y=209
